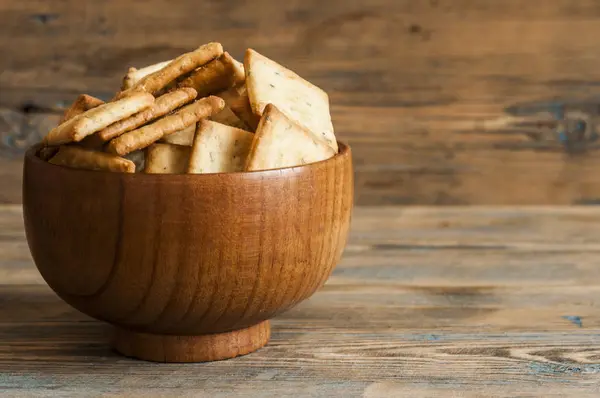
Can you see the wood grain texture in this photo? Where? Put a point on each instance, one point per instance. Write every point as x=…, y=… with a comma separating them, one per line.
x=457, y=301
x=426, y=91
x=187, y=255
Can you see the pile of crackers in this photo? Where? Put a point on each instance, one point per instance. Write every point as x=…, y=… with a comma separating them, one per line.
x=202, y=112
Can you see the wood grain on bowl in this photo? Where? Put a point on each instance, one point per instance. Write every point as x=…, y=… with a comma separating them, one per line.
x=187, y=255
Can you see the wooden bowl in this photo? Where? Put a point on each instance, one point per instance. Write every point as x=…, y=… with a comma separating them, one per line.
x=187, y=268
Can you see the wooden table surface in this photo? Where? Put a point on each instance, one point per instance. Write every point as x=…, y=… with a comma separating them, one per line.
x=471, y=301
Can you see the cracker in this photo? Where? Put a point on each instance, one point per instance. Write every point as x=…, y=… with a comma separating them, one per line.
x=61, y=134
x=81, y=158
x=87, y=123
x=167, y=159
x=237, y=99
x=281, y=142
x=163, y=105
x=184, y=117
x=181, y=137
x=180, y=66
x=303, y=102
x=219, y=148
x=227, y=117
x=217, y=75
x=83, y=103
x=135, y=75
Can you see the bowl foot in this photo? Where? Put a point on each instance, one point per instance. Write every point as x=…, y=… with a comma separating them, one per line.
x=201, y=348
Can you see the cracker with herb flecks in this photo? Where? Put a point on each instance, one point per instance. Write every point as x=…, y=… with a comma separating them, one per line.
x=167, y=159
x=81, y=158
x=180, y=66
x=150, y=133
x=270, y=83
x=219, y=148
x=217, y=75
x=281, y=142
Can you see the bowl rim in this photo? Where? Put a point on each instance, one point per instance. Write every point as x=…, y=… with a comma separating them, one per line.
x=344, y=152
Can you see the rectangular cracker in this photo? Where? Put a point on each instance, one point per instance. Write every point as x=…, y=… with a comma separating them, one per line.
x=81, y=158
x=163, y=105
x=134, y=75
x=95, y=119
x=184, y=117
x=237, y=99
x=303, y=102
x=219, y=148
x=83, y=103
x=217, y=75
x=61, y=134
x=180, y=66
x=281, y=142
x=181, y=137
x=167, y=159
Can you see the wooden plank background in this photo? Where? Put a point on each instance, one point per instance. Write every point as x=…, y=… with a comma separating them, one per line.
x=443, y=101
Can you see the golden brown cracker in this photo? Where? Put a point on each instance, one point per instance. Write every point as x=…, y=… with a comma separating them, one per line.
x=163, y=105
x=181, y=137
x=134, y=75
x=303, y=102
x=217, y=75
x=219, y=148
x=102, y=116
x=81, y=158
x=227, y=117
x=180, y=66
x=281, y=142
x=237, y=99
x=167, y=159
x=83, y=103
x=184, y=117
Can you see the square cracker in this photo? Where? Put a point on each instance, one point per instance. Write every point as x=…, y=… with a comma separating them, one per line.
x=81, y=158
x=303, y=102
x=167, y=159
x=219, y=74
x=281, y=142
x=219, y=148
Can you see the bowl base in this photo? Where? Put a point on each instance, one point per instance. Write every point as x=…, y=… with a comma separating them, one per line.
x=201, y=348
